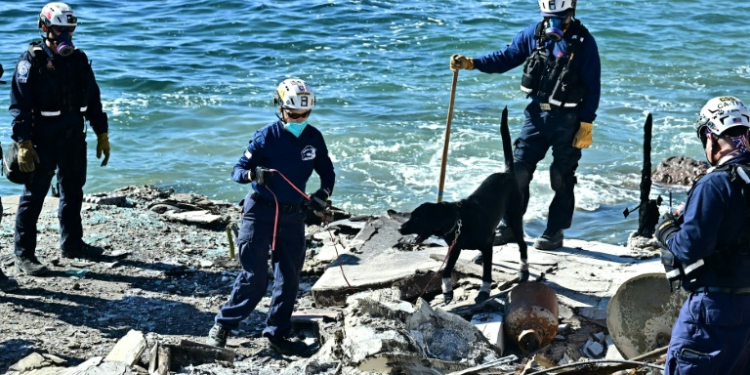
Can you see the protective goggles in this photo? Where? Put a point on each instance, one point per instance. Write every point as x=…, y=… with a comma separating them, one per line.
x=295, y=116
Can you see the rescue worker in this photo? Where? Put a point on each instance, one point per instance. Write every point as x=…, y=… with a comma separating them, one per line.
x=562, y=76
x=707, y=250
x=292, y=148
x=53, y=91
x=6, y=283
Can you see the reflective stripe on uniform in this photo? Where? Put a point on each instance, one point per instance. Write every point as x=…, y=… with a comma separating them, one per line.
x=692, y=267
x=58, y=113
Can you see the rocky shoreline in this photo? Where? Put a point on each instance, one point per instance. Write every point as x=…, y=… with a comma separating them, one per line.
x=166, y=271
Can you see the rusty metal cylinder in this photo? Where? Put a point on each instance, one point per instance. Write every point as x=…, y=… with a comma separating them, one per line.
x=531, y=315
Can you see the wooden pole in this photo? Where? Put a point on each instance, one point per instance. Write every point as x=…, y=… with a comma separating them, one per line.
x=447, y=140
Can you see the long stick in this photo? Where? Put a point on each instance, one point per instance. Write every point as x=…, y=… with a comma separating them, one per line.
x=447, y=140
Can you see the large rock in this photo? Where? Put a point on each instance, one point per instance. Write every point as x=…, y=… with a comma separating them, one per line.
x=383, y=333
x=679, y=170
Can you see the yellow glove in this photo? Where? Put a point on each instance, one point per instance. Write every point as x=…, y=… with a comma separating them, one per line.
x=102, y=145
x=583, y=138
x=27, y=157
x=461, y=62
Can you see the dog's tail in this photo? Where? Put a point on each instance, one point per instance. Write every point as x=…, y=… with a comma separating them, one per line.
x=507, y=148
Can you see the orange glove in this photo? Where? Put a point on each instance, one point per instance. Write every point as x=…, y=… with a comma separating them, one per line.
x=102, y=145
x=583, y=138
x=27, y=157
x=461, y=62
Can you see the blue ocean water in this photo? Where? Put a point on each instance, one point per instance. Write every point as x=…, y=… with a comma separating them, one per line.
x=186, y=83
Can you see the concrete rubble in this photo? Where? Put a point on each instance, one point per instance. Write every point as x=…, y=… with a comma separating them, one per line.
x=166, y=272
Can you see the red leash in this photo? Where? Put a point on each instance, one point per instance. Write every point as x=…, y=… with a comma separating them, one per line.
x=276, y=224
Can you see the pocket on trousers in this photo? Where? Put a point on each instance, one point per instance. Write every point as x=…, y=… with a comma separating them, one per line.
x=722, y=311
x=690, y=361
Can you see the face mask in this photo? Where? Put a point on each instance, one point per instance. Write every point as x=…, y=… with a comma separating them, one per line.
x=554, y=31
x=295, y=128
x=64, y=43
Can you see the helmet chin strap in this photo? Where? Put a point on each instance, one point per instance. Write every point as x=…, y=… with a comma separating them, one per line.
x=281, y=110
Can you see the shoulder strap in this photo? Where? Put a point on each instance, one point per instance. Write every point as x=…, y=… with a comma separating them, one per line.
x=539, y=34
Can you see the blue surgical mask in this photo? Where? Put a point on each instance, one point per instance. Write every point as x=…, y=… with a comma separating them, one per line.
x=295, y=128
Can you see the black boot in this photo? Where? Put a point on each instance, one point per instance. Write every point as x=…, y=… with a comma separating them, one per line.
x=7, y=284
x=550, y=240
x=30, y=265
x=86, y=251
x=503, y=235
x=284, y=346
x=217, y=336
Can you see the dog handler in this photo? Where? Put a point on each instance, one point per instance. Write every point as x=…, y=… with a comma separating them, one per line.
x=707, y=250
x=562, y=76
x=294, y=149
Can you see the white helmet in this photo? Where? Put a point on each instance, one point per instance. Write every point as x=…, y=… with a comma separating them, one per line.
x=552, y=8
x=294, y=93
x=722, y=113
x=57, y=14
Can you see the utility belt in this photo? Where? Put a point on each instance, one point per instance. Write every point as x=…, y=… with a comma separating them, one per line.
x=711, y=289
x=285, y=208
x=547, y=107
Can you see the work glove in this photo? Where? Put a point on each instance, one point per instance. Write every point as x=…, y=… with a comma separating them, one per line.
x=27, y=157
x=672, y=268
x=461, y=62
x=102, y=146
x=261, y=175
x=319, y=201
x=584, y=136
x=666, y=227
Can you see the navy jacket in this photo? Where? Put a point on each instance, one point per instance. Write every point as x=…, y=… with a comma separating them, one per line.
x=29, y=90
x=714, y=217
x=523, y=44
x=275, y=148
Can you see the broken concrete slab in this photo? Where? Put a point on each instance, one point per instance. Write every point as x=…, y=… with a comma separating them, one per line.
x=584, y=274
x=382, y=333
x=491, y=326
x=375, y=264
x=31, y=362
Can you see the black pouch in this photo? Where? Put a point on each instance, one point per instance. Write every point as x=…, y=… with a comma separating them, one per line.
x=11, y=169
x=533, y=71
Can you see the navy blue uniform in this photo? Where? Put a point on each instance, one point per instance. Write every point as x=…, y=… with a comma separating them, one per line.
x=550, y=126
x=275, y=148
x=712, y=332
x=50, y=98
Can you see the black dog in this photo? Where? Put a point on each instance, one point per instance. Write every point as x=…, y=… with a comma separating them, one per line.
x=471, y=222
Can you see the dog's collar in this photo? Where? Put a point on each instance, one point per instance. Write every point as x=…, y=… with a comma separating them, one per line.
x=457, y=223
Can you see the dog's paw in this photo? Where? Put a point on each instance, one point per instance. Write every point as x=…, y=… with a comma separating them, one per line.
x=447, y=297
x=482, y=296
x=523, y=276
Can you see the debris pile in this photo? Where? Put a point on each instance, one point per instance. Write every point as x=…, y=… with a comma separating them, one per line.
x=147, y=305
